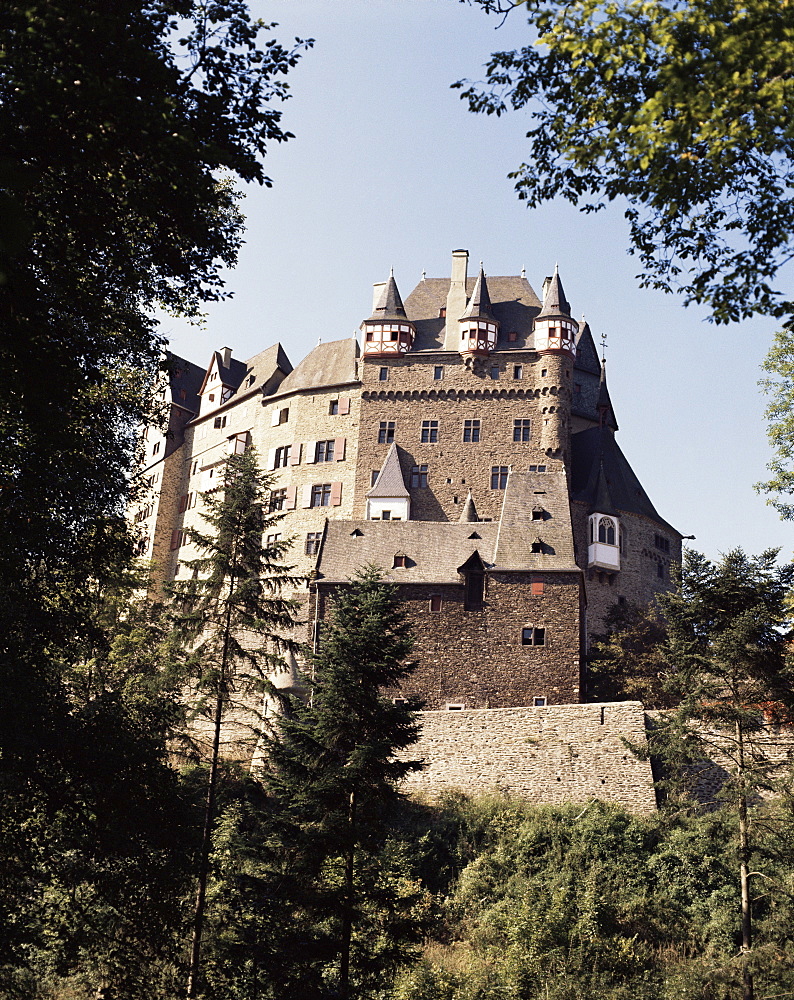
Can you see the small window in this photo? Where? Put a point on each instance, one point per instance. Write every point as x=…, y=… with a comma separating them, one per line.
x=438, y=373
x=429, y=431
x=373, y=477
x=661, y=543
x=533, y=636
x=220, y=422
x=385, y=515
x=518, y=371
x=471, y=430
x=660, y=570
x=321, y=495
x=537, y=468
x=324, y=451
x=399, y=561
x=456, y=708
x=499, y=477
x=183, y=394
x=537, y=546
x=283, y=415
x=333, y=407
x=522, y=428
x=606, y=531
x=386, y=432
x=271, y=539
x=577, y=388
x=539, y=702
x=512, y=336
x=494, y=372
x=156, y=448
x=419, y=477
x=400, y=701
x=194, y=468
x=435, y=602
x=251, y=380
x=281, y=458
x=538, y=514
x=442, y=312
x=383, y=375
x=312, y=546
x=544, y=372
x=277, y=499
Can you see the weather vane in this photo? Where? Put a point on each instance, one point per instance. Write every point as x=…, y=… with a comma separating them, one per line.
x=603, y=347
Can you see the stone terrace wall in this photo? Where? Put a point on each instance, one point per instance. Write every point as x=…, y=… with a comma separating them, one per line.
x=550, y=755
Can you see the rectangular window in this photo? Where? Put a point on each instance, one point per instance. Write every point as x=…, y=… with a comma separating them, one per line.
x=539, y=702
x=419, y=477
x=456, y=708
x=521, y=429
x=661, y=543
x=385, y=515
x=324, y=451
x=438, y=372
x=176, y=539
x=399, y=561
x=512, y=336
x=313, y=543
x=537, y=468
x=386, y=432
x=499, y=477
x=277, y=500
x=373, y=476
x=429, y=431
x=272, y=538
x=533, y=636
x=383, y=375
x=518, y=371
x=435, y=602
x=660, y=571
x=321, y=495
x=281, y=459
x=494, y=373
x=333, y=407
x=471, y=430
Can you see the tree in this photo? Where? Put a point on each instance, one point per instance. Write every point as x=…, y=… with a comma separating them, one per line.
x=332, y=773
x=629, y=661
x=678, y=110
x=729, y=633
x=779, y=386
x=235, y=617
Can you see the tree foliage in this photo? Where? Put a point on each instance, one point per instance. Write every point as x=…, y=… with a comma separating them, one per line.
x=332, y=771
x=678, y=110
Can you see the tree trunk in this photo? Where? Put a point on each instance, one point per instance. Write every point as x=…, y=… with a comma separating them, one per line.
x=209, y=811
x=744, y=877
x=347, y=915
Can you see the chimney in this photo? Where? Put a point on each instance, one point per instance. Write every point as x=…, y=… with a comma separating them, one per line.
x=226, y=356
x=456, y=299
x=377, y=292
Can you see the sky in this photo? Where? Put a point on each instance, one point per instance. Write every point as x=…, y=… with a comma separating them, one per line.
x=388, y=168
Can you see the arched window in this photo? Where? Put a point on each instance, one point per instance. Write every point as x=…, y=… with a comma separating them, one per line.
x=606, y=531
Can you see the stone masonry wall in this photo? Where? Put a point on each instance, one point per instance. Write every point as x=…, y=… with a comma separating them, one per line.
x=552, y=755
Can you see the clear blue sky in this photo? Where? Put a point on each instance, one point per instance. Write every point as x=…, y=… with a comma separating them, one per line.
x=389, y=169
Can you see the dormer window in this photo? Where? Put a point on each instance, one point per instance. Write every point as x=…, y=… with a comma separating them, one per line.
x=399, y=560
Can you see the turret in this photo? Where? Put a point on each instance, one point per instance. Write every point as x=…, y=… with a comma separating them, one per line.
x=388, y=332
x=554, y=328
x=478, y=326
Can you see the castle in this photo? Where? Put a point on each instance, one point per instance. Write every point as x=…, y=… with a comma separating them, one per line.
x=464, y=443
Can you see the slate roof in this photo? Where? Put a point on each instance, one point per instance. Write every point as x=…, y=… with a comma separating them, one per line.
x=389, y=305
x=390, y=482
x=184, y=376
x=265, y=367
x=518, y=530
x=333, y=363
x=434, y=550
x=554, y=301
x=479, y=305
x=468, y=513
x=603, y=479
x=514, y=305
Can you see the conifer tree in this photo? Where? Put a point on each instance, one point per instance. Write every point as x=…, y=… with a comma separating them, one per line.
x=729, y=633
x=332, y=774
x=236, y=617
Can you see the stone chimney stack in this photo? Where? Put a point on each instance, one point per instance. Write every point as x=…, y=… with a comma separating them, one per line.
x=456, y=299
x=226, y=356
x=377, y=294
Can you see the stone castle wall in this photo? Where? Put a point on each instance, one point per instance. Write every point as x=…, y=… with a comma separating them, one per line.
x=550, y=755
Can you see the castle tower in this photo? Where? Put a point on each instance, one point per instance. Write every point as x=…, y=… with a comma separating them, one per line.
x=555, y=340
x=387, y=333
x=478, y=326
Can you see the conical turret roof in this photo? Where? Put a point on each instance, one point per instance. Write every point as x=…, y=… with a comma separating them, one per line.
x=479, y=305
x=390, y=482
x=469, y=511
x=554, y=301
x=389, y=305
x=606, y=414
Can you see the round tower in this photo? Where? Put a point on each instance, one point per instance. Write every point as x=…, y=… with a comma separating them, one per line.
x=388, y=333
x=555, y=341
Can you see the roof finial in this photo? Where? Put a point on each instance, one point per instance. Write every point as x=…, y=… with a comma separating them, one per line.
x=391, y=272
x=603, y=348
x=424, y=274
x=523, y=272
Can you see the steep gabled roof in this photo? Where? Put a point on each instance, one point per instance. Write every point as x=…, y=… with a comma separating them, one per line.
x=603, y=480
x=185, y=377
x=518, y=529
x=328, y=364
x=390, y=483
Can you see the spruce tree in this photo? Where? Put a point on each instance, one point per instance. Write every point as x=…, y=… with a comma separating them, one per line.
x=333, y=771
x=236, y=617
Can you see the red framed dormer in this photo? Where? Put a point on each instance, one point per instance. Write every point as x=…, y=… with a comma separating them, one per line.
x=388, y=333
